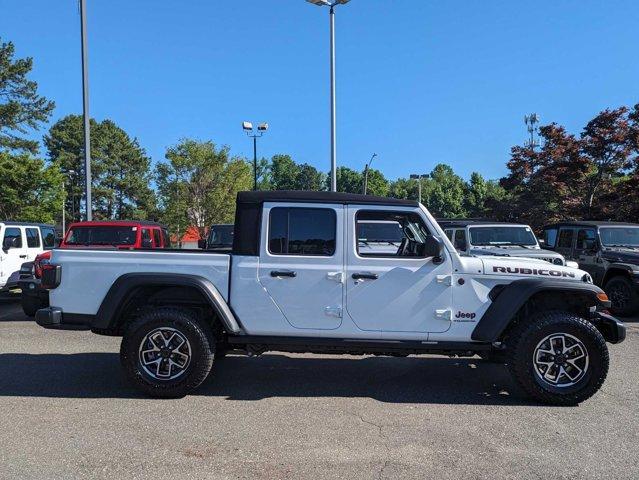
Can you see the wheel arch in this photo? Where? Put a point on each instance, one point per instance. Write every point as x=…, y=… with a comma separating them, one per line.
x=179, y=289
x=510, y=301
x=616, y=269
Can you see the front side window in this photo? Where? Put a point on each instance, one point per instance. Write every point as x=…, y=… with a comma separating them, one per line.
x=302, y=231
x=390, y=234
x=586, y=239
x=12, y=235
x=487, y=236
x=33, y=238
x=106, y=235
x=48, y=237
x=157, y=238
x=620, y=236
x=221, y=236
x=565, y=238
x=550, y=237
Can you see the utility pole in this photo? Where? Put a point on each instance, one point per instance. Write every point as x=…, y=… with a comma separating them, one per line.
x=85, y=110
x=366, y=168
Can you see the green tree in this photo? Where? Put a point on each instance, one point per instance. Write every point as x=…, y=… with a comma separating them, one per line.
x=404, y=188
x=377, y=184
x=284, y=172
x=309, y=178
x=481, y=196
x=119, y=166
x=198, y=184
x=29, y=190
x=443, y=193
x=21, y=108
x=348, y=180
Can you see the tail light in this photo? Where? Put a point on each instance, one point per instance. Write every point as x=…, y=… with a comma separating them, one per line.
x=39, y=261
x=51, y=276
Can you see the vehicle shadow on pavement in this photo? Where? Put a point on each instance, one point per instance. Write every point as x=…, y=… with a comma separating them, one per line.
x=393, y=380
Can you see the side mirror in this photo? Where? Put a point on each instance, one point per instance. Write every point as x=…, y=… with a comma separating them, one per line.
x=590, y=245
x=10, y=242
x=201, y=244
x=433, y=247
x=147, y=243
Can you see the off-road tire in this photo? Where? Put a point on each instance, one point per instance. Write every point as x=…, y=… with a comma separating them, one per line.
x=201, y=348
x=524, y=340
x=622, y=286
x=30, y=305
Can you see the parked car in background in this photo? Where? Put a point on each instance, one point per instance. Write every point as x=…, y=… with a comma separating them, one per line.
x=21, y=242
x=501, y=239
x=121, y=235
x=609, y=251
x=220, y=237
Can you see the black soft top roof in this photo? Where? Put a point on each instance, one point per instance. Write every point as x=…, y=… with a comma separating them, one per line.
x=462, y=222
x=248, y=214
x=319, y=197
x=591, y=223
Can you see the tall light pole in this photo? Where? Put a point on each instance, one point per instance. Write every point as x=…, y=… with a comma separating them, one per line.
x=66, y=174
x=85, y=109
x=419, y=183
x=248, y=128
x=332, y=5
x=366, y=168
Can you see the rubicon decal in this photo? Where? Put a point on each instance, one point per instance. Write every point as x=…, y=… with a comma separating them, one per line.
x=533, y=271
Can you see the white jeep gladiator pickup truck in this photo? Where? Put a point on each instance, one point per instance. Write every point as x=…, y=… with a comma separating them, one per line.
x=297, y=281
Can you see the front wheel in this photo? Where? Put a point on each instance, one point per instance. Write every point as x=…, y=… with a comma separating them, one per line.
x=623, y=296
x=167, y=352
x=558, y=358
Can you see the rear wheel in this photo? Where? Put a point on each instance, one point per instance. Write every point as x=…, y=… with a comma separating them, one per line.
x=623, y=295
x=558, y=358
x=167, y=352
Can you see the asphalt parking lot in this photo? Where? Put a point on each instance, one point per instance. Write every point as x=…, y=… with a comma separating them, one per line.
x=67, y=413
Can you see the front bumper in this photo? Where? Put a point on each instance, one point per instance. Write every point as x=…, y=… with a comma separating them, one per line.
x=613, y=330
x=53, y=318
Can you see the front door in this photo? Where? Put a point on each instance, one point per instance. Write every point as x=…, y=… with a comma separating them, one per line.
x=12, y=258
x=302, y=262
x=565, y=243
x=402, y=291
x=586, y=253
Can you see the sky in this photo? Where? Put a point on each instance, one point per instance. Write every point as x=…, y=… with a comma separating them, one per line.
x=419, y=82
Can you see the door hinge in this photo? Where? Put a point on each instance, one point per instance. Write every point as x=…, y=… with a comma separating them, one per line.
x=445, y=279
x=336, y=276
x=444, y=314
x=333, y=311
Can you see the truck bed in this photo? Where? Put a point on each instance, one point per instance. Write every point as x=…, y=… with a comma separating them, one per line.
x=88, y=275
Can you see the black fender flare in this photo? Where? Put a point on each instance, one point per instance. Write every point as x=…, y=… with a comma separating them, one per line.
x=111, y=306
x=508, y=299
x=627, y=267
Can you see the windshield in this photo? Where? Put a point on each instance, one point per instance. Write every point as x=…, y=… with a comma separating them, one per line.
x=502, y=236
x=620, y=236
x=221, y=235
x=106, y=235
x=385, y=232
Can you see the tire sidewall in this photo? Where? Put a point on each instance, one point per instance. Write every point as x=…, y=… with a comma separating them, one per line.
x=201, y=345
x=633, y=302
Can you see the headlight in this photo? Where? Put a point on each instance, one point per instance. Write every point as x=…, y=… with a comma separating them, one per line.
x=558, y=261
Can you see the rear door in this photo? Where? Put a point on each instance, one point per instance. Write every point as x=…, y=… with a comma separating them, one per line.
x=302, y=261
x=12, y=258
x=403, y=292
x=586, y=253
x=565, y=241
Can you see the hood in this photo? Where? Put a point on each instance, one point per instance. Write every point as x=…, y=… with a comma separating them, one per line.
x=529, y=267
x=621, y=256
x=546, y=255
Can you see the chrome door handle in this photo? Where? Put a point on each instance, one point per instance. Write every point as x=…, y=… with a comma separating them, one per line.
x=283, y=273
x=365, y=276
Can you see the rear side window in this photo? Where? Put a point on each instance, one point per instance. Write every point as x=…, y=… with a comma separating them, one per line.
x=565, y=238
x=48, y=237
x=302, y=231
x=33, y=239
x=157, y=238
x=165, y=236
x=550, y=237
x=11, y=233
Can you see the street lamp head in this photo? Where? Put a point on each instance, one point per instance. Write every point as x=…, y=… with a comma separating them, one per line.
x=341, y=2
x=414, y=177
x=247, y=126
x=262, y=127
x=319, y=3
